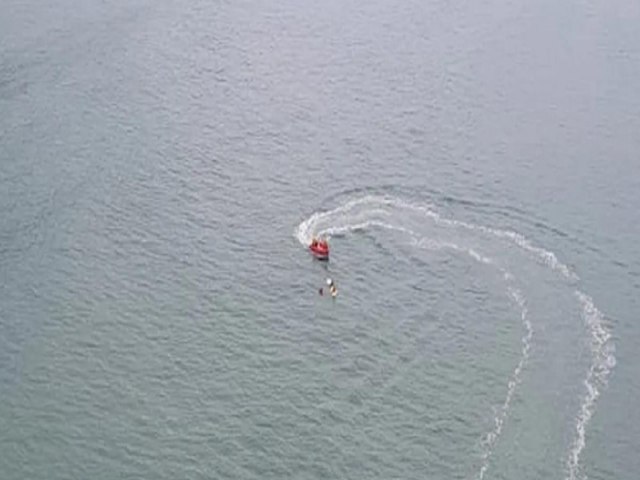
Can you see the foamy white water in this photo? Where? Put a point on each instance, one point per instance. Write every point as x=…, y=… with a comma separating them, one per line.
x=386, y=212
x=515, y=379
x=602, y=351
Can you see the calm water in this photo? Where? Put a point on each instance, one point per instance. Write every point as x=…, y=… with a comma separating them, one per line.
x=476, y=166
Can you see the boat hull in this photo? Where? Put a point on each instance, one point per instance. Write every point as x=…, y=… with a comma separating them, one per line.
x=319, y=254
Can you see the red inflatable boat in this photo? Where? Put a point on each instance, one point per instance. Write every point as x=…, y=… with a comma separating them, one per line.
x=319, y=249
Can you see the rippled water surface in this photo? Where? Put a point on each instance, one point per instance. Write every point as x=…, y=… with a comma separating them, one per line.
x=475, y=166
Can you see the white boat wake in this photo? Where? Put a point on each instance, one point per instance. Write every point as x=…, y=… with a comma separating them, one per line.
x=373, y=211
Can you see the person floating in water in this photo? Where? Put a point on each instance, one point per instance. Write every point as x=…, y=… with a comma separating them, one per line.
x=332, y=288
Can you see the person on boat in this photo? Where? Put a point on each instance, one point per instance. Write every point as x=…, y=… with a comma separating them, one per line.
x=319, y=243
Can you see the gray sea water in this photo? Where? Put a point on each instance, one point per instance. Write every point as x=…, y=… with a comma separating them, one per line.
x=474, y=164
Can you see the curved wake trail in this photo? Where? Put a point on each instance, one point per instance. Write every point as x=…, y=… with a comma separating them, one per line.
x=602, y=350
x=378, y=211
x=516, y=377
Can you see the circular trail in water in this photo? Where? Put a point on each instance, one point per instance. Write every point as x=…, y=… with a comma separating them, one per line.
x=424, y=228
